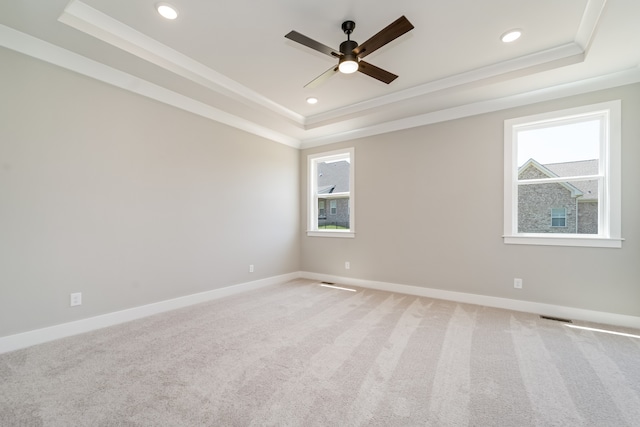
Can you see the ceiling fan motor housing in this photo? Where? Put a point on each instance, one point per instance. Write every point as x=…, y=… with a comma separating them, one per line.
x=348, y=61
x=346, y=49
x=347, y=46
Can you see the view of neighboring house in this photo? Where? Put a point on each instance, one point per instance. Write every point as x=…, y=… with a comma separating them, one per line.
x=333, y=180
x=565, y=207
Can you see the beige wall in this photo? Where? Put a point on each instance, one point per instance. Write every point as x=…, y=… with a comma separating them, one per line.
x=130, y=201
x=127, y=200
x=443, y=183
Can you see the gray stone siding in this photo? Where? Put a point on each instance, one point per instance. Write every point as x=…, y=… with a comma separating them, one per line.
x=534, y=208
x=588, y=217
x=341, y=217
x=536, y=201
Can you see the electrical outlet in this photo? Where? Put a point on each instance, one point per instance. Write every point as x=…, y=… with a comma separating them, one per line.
x=517, y=283
x=347, y=265
x=75, y=299
x=250, y=268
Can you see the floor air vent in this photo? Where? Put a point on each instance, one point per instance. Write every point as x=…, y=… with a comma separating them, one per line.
x=556, y=319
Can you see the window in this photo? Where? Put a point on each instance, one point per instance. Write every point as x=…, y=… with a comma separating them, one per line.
x=558, y=217
x=322, y=214
x=564, y=164
x=331, y=183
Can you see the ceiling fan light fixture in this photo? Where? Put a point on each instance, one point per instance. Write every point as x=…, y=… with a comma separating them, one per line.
x=348, y=64
x=350, y=55
x=167, y=11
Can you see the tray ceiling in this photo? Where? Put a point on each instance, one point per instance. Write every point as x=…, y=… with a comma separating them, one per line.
x=231, y=62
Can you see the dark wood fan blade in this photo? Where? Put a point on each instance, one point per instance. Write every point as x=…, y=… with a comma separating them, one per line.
x=322, y=78
x=375, y=72
x=387, y=34
x=304, y=40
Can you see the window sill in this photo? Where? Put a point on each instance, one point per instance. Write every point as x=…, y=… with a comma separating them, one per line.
x=574, y=240
x=331, y=233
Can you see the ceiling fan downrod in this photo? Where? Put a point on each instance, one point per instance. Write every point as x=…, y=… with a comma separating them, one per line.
x=350, y=55
x=347, y=46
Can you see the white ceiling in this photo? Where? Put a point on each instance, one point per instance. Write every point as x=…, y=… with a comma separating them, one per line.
x=230, y=61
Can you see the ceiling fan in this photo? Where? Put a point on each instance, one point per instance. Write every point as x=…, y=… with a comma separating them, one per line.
x=350, y=53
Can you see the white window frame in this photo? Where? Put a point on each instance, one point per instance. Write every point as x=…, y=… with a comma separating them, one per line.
x=609, y=206
x=312, y=193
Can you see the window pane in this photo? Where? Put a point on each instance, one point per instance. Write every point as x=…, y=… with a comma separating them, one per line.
x=333, y=177
x=333, y=207
x=567, y=159
x=566, y=207
x=331, y=192
x=322, y=214
x=558, y=217
x=569, y=149
x=339, y=215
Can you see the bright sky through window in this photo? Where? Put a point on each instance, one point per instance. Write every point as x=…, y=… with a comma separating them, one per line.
x=564, y=143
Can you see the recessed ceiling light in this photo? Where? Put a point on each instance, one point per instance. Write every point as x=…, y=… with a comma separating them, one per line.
x=311, y=100
x=167, y=11
x=511, y=36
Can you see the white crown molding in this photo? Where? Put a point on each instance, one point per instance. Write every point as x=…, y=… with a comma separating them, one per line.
x=485, y=300
x=36, y=48
x=534, y=63
x=93, y=22
x=101, y=26
x=39, y=336
x=539, y=61
x=569, y=89
x=589, y=23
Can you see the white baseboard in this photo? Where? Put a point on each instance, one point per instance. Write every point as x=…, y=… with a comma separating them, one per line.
x=489, y=301
x=39, y=336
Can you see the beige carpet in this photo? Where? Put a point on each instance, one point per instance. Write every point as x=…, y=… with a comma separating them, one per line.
x=299, y=354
